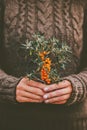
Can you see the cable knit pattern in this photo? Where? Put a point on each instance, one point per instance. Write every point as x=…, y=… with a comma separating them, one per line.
x=60, y=18
x=30, y=19
x=67, y=21
x=26, y=15
x=77, y=16
x=52, y=18
x=58, y=14
x=45, y=17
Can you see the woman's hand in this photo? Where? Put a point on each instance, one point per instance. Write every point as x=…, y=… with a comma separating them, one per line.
x=58, y=93
x=29, y=91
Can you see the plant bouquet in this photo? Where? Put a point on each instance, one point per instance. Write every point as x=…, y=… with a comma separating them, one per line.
x=49, y=57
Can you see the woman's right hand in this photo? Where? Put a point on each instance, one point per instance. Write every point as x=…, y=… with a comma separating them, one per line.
x=29, y=91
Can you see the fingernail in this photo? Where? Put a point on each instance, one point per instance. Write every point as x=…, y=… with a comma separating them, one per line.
x=45, y=89
x=45, y=96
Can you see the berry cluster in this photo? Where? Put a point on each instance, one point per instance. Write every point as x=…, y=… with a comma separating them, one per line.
x=46, y=67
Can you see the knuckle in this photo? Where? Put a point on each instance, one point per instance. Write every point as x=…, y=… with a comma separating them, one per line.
x=42, y=86
x=50, y=88
x=68, y=96
x=18, y=99
x=40, y=100
x=59, y=92
x=27, y=100
x=39, y=92
x=38, y=97
x=50, y=95
x=60, y=98
x=65, y=91
x=56, y=86
x=64, y=98
x=71, y=88
x=52, y=100
x=56, y=93
x=60, y=84
x=18, y=92
x=20, y=86
x=39, y=84
x=67, y=82
x=24, y=79
x=31, y=89
x=65, y=101
x=30, y=100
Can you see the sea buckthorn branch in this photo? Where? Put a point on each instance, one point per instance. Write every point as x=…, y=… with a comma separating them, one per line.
x=49, y=57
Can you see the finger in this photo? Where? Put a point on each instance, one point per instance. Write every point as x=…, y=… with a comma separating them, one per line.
x=62, y=102
x=58, y=93
x=24, y=99
x=60, y=85
x=28, y=95
x=36, y=84
x=58, y=99
x=33, y=90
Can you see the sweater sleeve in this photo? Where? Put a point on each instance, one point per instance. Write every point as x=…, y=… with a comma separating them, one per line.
x=7, y=83
x=8, y=87
x=79, y=81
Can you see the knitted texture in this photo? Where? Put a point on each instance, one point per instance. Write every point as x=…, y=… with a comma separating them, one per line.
x=51, y=18
x=8, y=88
x=63, y=19
x=79, y=89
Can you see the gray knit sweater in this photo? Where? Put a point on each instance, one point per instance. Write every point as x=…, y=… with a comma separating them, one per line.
x=64, y=19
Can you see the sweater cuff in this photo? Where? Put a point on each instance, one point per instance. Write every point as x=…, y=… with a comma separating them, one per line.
x=8, y=86
x=78, y=89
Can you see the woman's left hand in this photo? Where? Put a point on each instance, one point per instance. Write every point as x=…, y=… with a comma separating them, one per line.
x=58, y=93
